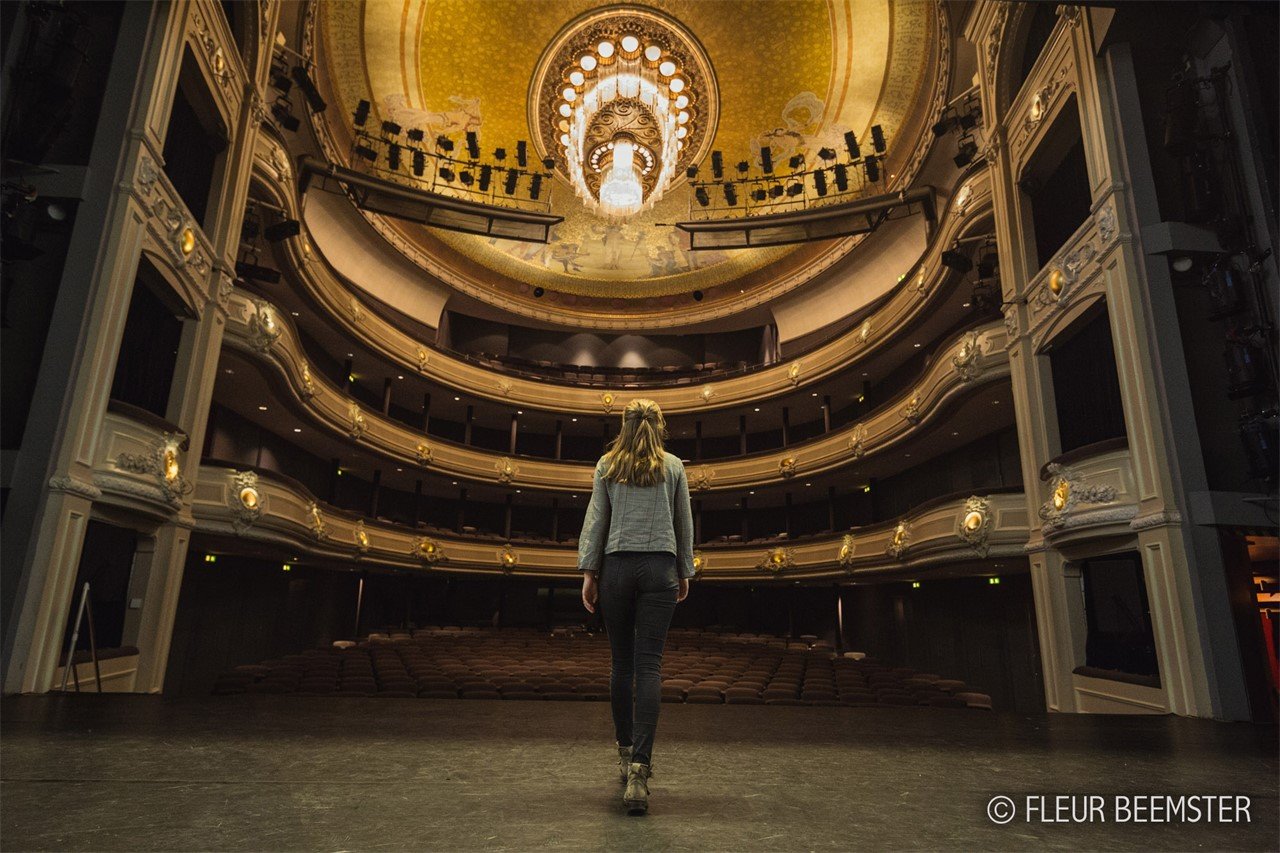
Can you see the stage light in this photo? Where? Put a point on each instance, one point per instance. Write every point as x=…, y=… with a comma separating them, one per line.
x=827, y=153
x=444, y=143
x=419, y=163
x=851, y=145
x=877, y=138
x=717, y=165
x=691, y=172
x=820, y=181
x=537, y=294
x=872, y=165
x=731, y=195
x=466, y=178
x=393, y=157
x=473, y=145
x=965, y=154
x=548, y=163
x=968, y=121
x=796, y=162
x=499, y=154
x=701, y=195
x=522, y=153
x=446, y=174
x=758, y=194
x=284, y=117
x=513, y=177
x=958, y=261
x=744, y=167
x=256, y=272
x=697, y=296
x=988, y=264
x=366, y=153
x=391, y=128
x=842, y=177
x=303, y=79
x=415, y=134
x=795, y=189
x=486, y=176
x=941, y=127
x=282, y=231
x=362, y=113
x=766, y=159
x=535, y=186
x=776, y=191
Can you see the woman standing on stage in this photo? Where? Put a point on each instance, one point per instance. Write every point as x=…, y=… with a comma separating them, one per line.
x=636, y=555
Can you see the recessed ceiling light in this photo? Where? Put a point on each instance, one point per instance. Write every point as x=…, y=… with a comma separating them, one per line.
x=751, y=493
x=517, y=491
x=399, y=377
x=351, y=355
x=519, y=411
x=399, y=469
x=575, y=420
x=757, y=408
x=456, y=399
x=455, y=482
x=295, y=313
x=917, y=346
x=814, y=394
x=262, y=408
x=297, y=429
x=808, y=484
x=964, y=305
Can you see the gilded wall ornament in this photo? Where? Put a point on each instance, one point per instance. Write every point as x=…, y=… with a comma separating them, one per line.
x=423, y=453
x=315, y=519
x=606, y=401
x=699, y=563
x=428, y=550
x=162, y=463
x=864, y=331
x=845, y=556
x=787, y=466
x=900, y=541
x=921, y=282
x=357, y=313
x=994, y=40
x=361, y=537
x=507, y=470
x=700, y=478
x=858, y=441
x=793, y=373
x=707, y=393
x=1106, y=222
x=263, y=328
x=507, y=559
x=423, y=358
x=71, y=486
x=505, y=387
x=244, y=500
x=1068, y=490
x=356, y=423
x=963, y=196
x=777, y=559
x=1011, y=323
x=966, y=359
x=308, y=389
x=912, y=410
x=974, y=524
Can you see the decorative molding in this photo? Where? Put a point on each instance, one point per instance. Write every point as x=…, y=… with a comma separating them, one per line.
x=1155, y=519
x=213, y=51
x=423, y=358
x=864, y=331
x=423, y=453
x=900, y=541
x=264, y=331
x=912, y=411
x=606, y=401
x=507, y=470
x=793, y=373
x=316, y=518
x=700, y=478
x=1011, y=323
x=777, y=559
x=845, y=555
x=504, y=386
x=994, y=37
x=245, y=500
x=308, y=389
x=787, y=466
x=71, y=486
x=858, y=441
x=163, y=464
x=974, y=523
x=507, y=559
x=356, y=423
x=699, y=563
x=1068, y=491
x=361, y=538
x=1105, y=219
x=428, y=551
x=707, y=393
x=966, y=361
x=963, y=196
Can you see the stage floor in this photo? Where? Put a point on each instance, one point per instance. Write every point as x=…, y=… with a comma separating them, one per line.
x=309, y=773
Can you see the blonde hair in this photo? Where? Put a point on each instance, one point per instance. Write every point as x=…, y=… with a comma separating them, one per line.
x=636, y=455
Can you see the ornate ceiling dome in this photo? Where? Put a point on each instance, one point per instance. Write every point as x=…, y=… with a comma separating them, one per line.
x=794, y=76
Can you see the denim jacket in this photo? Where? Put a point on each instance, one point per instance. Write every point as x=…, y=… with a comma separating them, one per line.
x=623, y=517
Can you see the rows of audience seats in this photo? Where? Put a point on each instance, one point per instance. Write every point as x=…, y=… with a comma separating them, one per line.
x=701, y=667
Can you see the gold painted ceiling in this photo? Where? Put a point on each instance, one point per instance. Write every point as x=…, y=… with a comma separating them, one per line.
x=792, y=74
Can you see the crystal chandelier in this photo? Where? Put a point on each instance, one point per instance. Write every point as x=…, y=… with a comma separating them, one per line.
x=626, y=100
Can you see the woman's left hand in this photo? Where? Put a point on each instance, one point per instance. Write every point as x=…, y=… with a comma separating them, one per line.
x=589, y=593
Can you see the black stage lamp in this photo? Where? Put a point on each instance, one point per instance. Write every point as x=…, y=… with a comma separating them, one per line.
x=758, y=194
x=548, y=163
x=731, y=195
x=499, y=154
x=513, y=177
x=393, y=157
x=366, y=153
x=744, y=167
x=522, y=153
x=988, y=264
x=701, y=195
x=941, y=127
x=964, y=155
x=827, y=153
x=796, y=162
x=794, y=190
x=467, y=178
x=390, y=128
x=958, y=261
x=776, y=191
x=968, y=121
x=362, y=113
x=303, y=79
x=820, y=181
x=697, y=296
x=717, y=165
x=842, y=177
x=851, y=145
x=282, y=231
x=254, y=272
x=486, y=176
x=872, y=165
x=538, y=292
x=691, y=172
x=766, y=159
x=285, y=118
x=535, y=186
x=877, y=138
x=444, y=143
x=419, y=163
x=415, y=134
x=446, y=174
x=473, y=145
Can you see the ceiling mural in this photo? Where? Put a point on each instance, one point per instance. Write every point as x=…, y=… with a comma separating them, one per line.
x=793, y=75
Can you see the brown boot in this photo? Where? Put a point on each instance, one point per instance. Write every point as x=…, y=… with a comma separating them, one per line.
x=636, y=797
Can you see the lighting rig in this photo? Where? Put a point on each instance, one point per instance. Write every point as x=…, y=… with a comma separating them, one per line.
x=838, y=176
x=406, y=156
x=962, y=115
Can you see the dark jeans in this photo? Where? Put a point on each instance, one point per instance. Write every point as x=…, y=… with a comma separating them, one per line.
x=637, y=599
